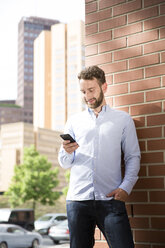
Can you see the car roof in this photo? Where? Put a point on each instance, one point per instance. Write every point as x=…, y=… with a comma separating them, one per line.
x=54, y=214
x=11, y=225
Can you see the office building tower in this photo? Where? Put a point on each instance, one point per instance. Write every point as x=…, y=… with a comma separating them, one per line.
x=14, y=137
x=66, y=61
x=29, y=28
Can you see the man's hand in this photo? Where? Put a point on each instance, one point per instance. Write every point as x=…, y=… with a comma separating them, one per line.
x=118, y=194
x=70, y=147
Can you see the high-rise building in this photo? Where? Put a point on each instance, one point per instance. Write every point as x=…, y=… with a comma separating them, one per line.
x=14, y=137
x=29, y=28
x=57, y=74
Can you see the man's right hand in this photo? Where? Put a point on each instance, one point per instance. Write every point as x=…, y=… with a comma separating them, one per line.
x=69, y=147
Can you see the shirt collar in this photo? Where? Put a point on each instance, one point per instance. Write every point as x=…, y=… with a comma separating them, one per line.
x=105, y=108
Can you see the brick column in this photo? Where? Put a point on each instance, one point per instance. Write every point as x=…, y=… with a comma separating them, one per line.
x=126, y=38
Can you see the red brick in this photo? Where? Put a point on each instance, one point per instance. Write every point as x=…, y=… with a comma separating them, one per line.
x=152, y=157
x=162, y=57
x=99, y=37
x=145, y=84
x=127, y=30
x=154, y=23
x=154, y=46
x=157, y=196
x=98, y=16
x=153, y=132
x=128, y=53
x=156, y=120
x=142, y=145
x=117, y=89
x=139, y=121
x=142, y=37
x=128, y=76
x=88, y=1
x=149, y=209
x=157, y=222
x=91, y=7
x=158, y=246
x=155, y=95
x=114, y=67
x=150, y=183
x=156, y=170
x=91, y=29
x=149, y=108
x=139, y=222
x=109, y=79
x=98, y=59
x=142, y=172
x=156, y=144
x=162, y=33
x=126, y=109
x=112, y=45
x=106, y=3
x=164, y=81
x=112, y=23
x=152, y=2
x=162, y=9
x=91, y=50
x=126, y=7
x=155, y=70
x=142, y=14
x=150, y=236
x=142, y=246
x=144, y=61
x=129, y=99
x=137, y=196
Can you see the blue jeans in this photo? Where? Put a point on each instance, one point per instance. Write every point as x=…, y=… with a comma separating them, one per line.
x=110, y=217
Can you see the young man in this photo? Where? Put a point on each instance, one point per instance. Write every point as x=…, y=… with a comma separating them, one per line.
x=97, y=191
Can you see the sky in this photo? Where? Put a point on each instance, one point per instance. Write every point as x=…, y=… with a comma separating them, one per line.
x=11, y=12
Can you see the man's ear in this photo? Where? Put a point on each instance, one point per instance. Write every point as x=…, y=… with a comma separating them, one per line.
x=104, y=87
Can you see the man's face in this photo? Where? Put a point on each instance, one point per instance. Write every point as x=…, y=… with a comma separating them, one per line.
x=93, y=93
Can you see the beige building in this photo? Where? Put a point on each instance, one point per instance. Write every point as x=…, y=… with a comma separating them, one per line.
x=14, y=137
x=59, y=65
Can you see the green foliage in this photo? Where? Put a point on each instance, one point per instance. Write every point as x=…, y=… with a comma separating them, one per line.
x=67, y=178
x=33, y=180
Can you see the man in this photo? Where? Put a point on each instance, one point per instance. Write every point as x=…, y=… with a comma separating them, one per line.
x=97, y=191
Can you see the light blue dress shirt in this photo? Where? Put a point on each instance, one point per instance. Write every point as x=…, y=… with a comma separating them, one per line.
x=96, y=164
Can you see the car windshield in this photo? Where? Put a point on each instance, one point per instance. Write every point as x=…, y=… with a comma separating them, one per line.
x=46, y=218
x=2, y=228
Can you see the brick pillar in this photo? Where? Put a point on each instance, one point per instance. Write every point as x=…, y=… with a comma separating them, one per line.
x=126, y=38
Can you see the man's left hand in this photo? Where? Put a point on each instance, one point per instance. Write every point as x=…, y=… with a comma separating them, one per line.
x=118, y=194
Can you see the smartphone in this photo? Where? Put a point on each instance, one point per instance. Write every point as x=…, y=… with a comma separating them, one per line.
x=67, y=137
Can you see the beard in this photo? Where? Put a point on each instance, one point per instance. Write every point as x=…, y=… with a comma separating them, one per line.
x=98, y=101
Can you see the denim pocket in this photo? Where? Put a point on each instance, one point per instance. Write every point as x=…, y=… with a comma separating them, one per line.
x=118, y=206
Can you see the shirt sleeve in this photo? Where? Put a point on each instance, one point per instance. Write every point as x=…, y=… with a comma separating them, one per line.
x=66, y=159
x=131, y=150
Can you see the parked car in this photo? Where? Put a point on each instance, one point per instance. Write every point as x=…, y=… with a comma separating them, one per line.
x=14, y=236
x=43, y=224
x=21, y=217
x=59, y=232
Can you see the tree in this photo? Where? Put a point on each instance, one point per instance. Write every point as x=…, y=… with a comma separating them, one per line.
x=33, y=180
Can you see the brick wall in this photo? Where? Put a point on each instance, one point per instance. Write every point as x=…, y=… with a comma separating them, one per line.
x=126, y=38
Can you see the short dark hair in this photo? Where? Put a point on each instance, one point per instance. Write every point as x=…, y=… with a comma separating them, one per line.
x=92, y=72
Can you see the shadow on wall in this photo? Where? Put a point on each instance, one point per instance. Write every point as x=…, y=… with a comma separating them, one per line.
x=144, y=204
